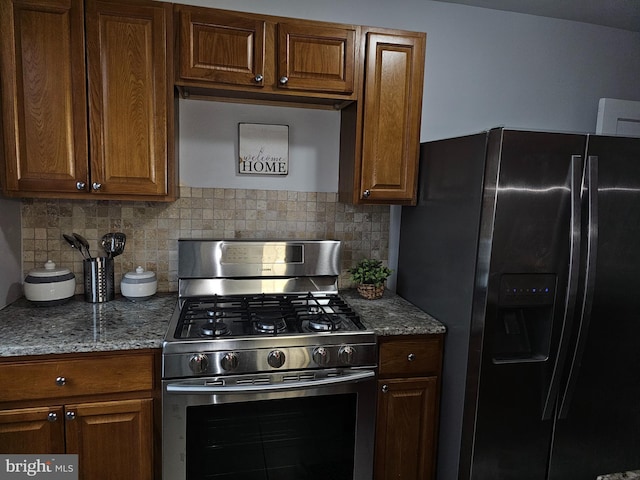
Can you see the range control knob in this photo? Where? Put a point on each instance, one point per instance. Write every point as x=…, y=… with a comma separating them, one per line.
x=346, y=354
x=229, y=361
x=276, y=358
x=199, y=363
x=321, y=356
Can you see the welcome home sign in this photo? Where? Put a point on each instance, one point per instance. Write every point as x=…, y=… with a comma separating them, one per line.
x=263, y=149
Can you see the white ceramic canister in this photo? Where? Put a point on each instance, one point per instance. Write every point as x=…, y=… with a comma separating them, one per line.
x=139, y=285
x=49, y=285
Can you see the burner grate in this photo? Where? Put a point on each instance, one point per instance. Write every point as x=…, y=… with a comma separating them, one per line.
x=264, y=314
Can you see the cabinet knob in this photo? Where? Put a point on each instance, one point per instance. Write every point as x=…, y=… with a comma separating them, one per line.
x=52, y=417
x=61, y=381
x=284, y=80
x=80, y=185
x=411, y=357
x=366, y=193
x=258, y=78
x=385, y=388
x=96, y=186
x=71, y=415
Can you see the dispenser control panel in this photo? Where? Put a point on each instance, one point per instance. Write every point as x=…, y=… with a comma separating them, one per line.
x=527, y=289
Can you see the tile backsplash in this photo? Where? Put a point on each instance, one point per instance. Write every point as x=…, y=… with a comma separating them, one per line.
x=153, y=229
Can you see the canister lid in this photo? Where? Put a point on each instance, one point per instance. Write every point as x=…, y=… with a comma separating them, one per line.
x=139, y=276
x=50, y=271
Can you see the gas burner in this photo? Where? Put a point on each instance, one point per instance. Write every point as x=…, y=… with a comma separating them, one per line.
x=269, y=323
x=325, y=323
x=215, y=328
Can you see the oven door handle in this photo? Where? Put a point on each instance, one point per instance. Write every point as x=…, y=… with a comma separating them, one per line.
x=182, y=388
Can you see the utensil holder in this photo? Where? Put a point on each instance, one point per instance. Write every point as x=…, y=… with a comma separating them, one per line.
x=99, y=284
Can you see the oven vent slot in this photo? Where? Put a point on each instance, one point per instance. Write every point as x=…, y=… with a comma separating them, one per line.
x=214, y=383
x=301, y=377
x=253, y=381
x=261, y=381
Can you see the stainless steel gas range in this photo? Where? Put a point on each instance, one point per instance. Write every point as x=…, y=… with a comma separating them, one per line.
x=265, y=365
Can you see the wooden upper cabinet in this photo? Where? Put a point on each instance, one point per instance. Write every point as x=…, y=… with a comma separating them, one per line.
x=128, y=108
x=316, y=58
x=243, y=55
x=44, y=105
x=60, y=59
x=379, y=163
x=220, y=47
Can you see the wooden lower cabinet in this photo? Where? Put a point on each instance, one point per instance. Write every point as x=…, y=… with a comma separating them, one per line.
x=114, y=437
x=112, y=434
x=407, y=415
x=32, y=430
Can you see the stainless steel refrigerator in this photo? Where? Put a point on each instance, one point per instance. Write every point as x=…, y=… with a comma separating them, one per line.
x=526, y=245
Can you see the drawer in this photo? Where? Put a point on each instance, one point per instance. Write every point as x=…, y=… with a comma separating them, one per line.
x=90, y=375
x=416, y=355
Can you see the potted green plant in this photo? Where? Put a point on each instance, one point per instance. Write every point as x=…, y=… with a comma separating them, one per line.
x=369, y=276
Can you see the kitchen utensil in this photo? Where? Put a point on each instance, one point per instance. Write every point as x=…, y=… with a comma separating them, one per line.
x=120, y=239
x=108, y=244
x=49, y=285
x=74, y=244
x=139, y=285
x=84, y=243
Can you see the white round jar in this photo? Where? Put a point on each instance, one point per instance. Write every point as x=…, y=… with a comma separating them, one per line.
x=139, y=285
x=50, y=285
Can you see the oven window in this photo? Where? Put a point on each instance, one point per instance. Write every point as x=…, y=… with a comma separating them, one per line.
x=296, y=438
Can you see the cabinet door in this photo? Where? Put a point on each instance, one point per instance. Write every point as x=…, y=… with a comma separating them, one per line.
x=32, y=431
x=129, y=111
x=394, y=71
x=113, y=440
x=316, y=58
x=43, y=95
x=221, y=47
x=406, y=428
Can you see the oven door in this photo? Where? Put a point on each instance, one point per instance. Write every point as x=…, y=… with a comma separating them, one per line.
x=292, y=425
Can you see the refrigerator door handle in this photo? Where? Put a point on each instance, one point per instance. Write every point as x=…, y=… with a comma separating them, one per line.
x=575, y=171
x=589, y=284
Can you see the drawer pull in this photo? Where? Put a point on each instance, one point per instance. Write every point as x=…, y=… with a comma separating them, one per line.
x=61, y=381
x=411, y=357
x=71, y=415
x=385, y=388
x=52, y=417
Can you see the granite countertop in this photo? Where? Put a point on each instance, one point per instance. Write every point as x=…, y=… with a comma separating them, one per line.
x=634, y=475
x=79, y=326
x=392, y=315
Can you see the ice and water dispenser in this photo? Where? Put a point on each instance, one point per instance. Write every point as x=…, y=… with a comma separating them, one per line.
x=524, y=318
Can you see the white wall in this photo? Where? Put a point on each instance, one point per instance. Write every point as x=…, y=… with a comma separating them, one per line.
x=484, y=68
x=209, y=146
